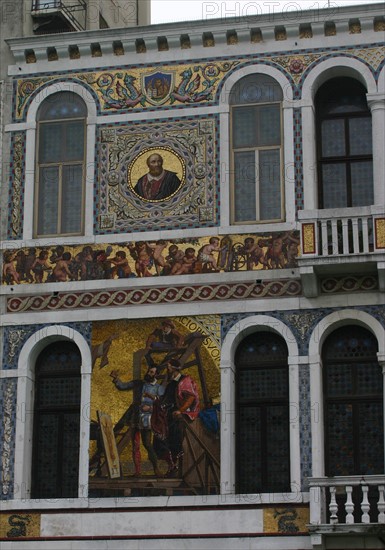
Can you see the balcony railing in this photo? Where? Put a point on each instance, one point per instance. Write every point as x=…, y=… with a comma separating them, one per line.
x=342, y=232
x=352, y=500
x=67, y=8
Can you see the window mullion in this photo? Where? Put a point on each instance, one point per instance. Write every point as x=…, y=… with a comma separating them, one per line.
x=257, y=178
x=59, y=198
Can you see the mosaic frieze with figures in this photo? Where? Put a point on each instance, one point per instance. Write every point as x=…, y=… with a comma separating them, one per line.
x=135, y=88
x=157, y=176
x=126, y=260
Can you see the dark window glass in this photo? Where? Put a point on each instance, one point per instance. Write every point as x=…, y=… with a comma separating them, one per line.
x=55, y=467
x=345, y=161
x=263, y=445
x=353, y=393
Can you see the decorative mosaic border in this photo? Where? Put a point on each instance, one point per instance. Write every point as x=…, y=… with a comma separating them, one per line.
x=162, y=295
x=298, y=159
x=8, y=394
x=16, y=186
x=305, y=410
x=333, y=285
x=123, y=89
x=195, y=140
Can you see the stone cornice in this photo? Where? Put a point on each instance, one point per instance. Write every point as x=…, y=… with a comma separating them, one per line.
x=207, y=38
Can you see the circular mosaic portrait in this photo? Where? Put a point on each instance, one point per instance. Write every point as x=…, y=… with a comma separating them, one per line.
x=156, y=174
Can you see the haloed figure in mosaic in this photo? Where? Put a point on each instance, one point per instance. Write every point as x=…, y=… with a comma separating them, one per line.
x=158, y=183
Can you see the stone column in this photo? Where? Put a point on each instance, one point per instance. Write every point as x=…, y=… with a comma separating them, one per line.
x=376, y=104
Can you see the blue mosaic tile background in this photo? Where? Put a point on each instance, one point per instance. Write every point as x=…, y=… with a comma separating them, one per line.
x=16, y=336
x=8, y=395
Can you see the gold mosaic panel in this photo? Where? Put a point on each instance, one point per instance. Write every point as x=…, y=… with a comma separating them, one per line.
x=129, y=336
x=308, y=238
x=21, y=525
x=118, y=348
x=285, y=520
x=380, y=232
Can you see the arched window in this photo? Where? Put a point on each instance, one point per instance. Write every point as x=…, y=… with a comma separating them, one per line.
x=257, y=158
x=60, y=170
x=353, y=403
x=56, y=433
x=344, y=143
x=262, y=408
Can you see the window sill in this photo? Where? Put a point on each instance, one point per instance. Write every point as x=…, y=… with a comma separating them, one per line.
x=257, y=500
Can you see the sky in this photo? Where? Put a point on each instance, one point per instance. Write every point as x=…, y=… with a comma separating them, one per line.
x=166, y=11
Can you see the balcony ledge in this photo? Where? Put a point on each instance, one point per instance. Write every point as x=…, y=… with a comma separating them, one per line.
x=354, y=536
x=311, y=270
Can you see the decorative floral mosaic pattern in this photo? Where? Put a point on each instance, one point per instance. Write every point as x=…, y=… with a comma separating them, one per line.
x=178, y=85
x=16, y=336
x=188, y=149
x=159, y=295
x=16, y=187
x=8, y=390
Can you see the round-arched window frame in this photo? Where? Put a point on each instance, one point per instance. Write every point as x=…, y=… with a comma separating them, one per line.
x=257, y=152
x=56, y=432
x=60, y=165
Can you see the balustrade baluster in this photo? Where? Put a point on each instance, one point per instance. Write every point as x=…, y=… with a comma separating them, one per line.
x=333, y=506
x=349, y=506
x=365, y=235
x=356, y=236
x=381, y=504
x=335, y=237
x=324, y=248
x=345, y=236
x=365, y=506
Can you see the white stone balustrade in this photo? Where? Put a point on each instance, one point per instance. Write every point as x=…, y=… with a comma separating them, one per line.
x=332, y=502
x=343, y=232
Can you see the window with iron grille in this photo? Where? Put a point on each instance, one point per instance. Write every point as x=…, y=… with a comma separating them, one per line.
x=262, y=398
x=353, y=395
x=56, y=436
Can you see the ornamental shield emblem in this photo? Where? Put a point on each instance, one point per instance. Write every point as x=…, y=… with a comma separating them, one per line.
x=157, y=86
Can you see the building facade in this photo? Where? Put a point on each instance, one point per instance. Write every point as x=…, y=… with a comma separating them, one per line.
x=192, y=299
